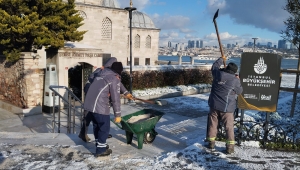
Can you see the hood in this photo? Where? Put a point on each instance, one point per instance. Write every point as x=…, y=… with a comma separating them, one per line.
x=109, y=62
x=106, y=72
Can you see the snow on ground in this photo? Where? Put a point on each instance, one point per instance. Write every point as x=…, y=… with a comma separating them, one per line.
x=195, y=156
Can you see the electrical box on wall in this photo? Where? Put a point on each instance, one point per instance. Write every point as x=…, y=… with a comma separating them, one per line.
x=49, y=96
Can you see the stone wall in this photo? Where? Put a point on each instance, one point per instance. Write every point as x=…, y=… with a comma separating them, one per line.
x=21, y=81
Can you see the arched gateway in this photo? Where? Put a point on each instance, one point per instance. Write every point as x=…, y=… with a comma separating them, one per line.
x=77, y=62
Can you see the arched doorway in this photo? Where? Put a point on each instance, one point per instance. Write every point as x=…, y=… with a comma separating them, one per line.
x=78, y=76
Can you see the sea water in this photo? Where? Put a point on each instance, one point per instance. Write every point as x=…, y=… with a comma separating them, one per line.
x=285, y=63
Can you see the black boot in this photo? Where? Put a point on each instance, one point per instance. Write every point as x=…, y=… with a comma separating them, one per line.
x=106, y=153
x=83, y=133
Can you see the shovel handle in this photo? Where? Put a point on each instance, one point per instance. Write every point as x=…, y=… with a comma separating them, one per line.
x=146, y=101
x=219, y=40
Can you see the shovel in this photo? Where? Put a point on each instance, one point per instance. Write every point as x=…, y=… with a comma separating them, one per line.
x=158, y=102
x=145, y=101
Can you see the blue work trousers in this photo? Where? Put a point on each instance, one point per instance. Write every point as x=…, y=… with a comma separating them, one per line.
x=101, y=129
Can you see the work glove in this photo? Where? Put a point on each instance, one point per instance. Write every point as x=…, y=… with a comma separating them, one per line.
x=129, y=96
x=118, y=119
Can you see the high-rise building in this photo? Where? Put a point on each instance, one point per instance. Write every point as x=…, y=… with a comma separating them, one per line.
x=201, y=44
x=198, y=44
x=228, y=45
x=282, y=44
x=191, y=44
x=269, y=44
x=169, y=44
x=177, y=47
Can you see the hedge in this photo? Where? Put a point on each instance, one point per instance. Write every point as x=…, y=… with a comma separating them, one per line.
x=174, y=77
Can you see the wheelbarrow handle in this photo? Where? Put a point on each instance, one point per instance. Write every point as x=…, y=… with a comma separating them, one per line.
x=118, y=124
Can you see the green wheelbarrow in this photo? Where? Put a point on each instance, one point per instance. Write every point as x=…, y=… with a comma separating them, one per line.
x=144, y=128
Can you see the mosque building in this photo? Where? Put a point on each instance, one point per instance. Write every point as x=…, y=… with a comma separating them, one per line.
x=108, y=29
x=108, y=35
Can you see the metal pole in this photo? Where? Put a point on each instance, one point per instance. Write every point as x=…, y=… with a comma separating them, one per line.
x=130, y=9
x=130, y=46
x=69, y=115
x=59, y=100
x=266, y=129
x=240, y=135
x=53, y=115
x=74, y=109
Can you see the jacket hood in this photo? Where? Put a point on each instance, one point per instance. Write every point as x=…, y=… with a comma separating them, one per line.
x=105, y=72
x=109, y=62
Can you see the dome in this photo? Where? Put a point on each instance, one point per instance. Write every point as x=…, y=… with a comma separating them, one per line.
x=141, y=20
x=109, y=3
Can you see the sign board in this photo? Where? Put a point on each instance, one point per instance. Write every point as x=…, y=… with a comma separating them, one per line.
x=260, y=79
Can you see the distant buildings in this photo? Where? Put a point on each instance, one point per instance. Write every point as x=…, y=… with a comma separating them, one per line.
x=169, y=44
x=198, y=44
x=191, y=44
x=179, y=47
x=282, y=44
x=195, y=44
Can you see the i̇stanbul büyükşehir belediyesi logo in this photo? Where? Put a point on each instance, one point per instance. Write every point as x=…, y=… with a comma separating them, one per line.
x=260, y=67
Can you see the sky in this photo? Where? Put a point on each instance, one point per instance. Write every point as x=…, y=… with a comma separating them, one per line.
x=188, y=131
x=238, y=21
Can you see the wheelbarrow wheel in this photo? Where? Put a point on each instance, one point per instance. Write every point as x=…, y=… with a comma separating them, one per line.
x=149, y=136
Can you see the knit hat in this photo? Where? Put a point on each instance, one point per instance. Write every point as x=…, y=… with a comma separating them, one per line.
x=117, y=67
x=232, y=67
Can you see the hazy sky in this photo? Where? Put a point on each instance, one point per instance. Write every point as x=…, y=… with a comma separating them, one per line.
x=238, y=20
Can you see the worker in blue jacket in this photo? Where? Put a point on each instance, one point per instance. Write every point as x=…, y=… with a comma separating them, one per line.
x=104, y=88
x=87, y=117
x=222, y=102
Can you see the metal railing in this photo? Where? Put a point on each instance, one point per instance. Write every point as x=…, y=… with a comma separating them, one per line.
x=262, y=131
x=70, y=110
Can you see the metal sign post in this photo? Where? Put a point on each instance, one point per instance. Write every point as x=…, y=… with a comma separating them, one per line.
x=260, y=79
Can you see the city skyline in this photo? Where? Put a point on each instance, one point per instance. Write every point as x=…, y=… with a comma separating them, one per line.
x=238, y=21
x=282, y=44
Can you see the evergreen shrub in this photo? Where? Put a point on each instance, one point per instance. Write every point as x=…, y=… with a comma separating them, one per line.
x=174, y=77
